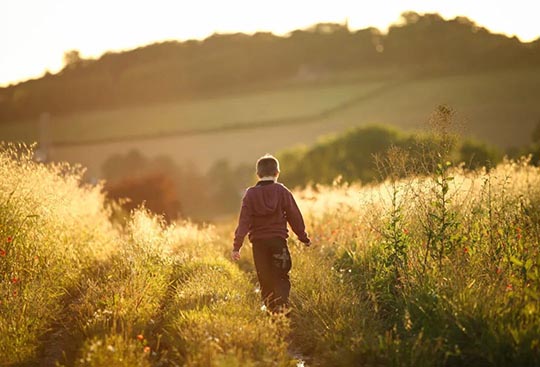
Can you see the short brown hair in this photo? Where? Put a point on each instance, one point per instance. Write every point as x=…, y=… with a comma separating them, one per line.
x=267, y=165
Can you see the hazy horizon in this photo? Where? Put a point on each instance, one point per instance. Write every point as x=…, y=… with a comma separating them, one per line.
x=38, y=39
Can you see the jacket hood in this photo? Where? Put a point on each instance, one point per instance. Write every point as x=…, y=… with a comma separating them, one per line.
x=265, y=198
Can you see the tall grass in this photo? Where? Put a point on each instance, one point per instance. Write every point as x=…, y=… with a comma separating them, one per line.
x=79, y=291
x=440, y=269
x=465, y=289
x=51, y=228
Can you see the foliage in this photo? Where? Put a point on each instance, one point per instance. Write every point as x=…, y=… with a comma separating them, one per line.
x=351, y=155
x=169, y=189
x=533, y=148
x=155, y=191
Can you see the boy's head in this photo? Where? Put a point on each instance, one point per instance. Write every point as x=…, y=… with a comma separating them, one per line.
x=267, y=165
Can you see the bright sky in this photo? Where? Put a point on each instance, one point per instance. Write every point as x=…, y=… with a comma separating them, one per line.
x=34, y=34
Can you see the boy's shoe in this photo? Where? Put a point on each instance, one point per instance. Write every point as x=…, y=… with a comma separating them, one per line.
x=284, y=310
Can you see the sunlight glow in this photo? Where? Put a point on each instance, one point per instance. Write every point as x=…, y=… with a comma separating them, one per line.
x=36, y=33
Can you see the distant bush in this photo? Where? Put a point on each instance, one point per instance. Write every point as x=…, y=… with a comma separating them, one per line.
x=351, y=155
x=477, y=154
x=168, y=187
x=534, y=147
x=157, y=192
x=187, y=182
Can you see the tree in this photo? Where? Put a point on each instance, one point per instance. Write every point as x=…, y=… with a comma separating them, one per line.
x=72, y=59
x=156, y=191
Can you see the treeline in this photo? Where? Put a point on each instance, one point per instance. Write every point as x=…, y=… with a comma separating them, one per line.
x=226, y=62
x=185, y=191
x=354, y=156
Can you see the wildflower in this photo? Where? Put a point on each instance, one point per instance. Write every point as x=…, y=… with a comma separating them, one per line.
x=465, y=250
x=2, y=252
x=140, y=337
x=15, y=293
x=406, y=231
x=147, y=349
x=14, y=280
x=509, y=287
x=9, y=239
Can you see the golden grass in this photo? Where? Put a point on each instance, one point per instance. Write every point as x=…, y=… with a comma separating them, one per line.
x=405, y=273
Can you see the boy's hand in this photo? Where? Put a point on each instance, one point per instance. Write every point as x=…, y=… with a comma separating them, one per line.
x=235, y=255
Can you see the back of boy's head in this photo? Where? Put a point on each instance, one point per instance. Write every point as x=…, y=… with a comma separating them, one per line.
x=267, y=165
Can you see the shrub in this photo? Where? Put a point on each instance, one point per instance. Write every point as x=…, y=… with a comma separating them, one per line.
x=156, y=192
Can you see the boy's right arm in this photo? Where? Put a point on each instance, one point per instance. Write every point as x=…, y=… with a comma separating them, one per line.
x=243, y=224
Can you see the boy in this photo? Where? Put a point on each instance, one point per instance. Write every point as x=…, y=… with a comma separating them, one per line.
x=266, y=209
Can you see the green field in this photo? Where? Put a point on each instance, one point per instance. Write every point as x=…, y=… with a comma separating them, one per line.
x=500, y=107
x=440, y=270
x=246, y=110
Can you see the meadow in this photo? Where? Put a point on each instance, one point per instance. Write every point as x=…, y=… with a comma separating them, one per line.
x=438, y=269
x=239, y=110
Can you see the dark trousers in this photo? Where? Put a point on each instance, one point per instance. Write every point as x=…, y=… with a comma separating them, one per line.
x=273, y=262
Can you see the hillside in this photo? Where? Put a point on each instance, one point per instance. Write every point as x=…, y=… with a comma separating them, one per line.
x=433, y=270
x=491, y=105
x=498, y=107
x=171, y=71
x=283, y=106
